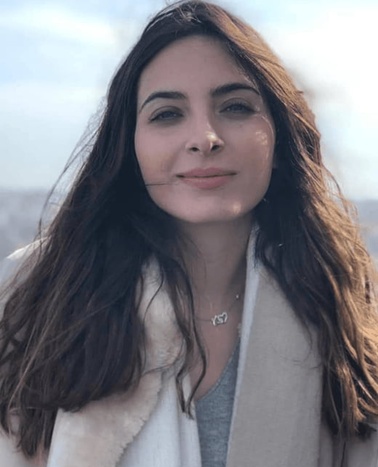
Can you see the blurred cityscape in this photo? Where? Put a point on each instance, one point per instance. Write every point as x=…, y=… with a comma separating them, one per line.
x=20, y=212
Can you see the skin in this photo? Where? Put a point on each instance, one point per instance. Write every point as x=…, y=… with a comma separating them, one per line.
x=232, y=132
x=197, y=110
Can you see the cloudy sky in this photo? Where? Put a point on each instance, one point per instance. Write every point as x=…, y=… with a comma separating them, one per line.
x=57, y=57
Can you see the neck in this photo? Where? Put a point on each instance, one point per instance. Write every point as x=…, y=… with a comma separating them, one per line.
x=216, y=261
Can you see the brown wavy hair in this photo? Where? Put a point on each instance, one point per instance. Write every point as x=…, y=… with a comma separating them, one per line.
x=70, y=332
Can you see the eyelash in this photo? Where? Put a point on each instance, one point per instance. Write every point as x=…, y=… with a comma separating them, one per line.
x=242, y=108
x=160, y=116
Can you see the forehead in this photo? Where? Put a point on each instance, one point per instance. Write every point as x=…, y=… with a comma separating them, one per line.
x=193, y=62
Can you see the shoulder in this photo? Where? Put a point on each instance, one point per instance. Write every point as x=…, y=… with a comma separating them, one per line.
x=10, y=265
x=11, y=456
x=12, y=269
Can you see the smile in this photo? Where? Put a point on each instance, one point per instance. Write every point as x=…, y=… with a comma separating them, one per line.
x=206, y=178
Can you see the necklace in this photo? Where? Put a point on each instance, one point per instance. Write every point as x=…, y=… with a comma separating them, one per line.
x=222, y=318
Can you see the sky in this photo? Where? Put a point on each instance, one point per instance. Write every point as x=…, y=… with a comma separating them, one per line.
x=58, y=56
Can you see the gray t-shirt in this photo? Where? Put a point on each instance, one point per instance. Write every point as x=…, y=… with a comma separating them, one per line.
x=214, y=414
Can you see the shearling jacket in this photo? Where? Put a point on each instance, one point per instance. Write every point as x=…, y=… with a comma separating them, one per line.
x=277, y=418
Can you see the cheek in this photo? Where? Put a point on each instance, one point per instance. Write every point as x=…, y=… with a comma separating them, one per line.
x=264, y=133
x=158, y=150
x=154, y=158
x=259, y=145
x=258, y=159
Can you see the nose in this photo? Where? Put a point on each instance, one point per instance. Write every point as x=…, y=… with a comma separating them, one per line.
x=204, y=139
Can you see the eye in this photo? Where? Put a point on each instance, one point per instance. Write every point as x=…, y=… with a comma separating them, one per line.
x=238, y=108
x=166, y=116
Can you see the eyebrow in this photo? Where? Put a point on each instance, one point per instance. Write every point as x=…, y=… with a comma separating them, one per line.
x=219, y=91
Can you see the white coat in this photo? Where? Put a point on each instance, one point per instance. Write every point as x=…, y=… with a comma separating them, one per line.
x=277, y=412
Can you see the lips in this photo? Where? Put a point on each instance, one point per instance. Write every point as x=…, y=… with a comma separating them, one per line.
x=206, y=173
x=206, y=179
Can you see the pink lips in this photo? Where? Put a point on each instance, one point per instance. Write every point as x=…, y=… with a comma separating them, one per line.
x=206, y=179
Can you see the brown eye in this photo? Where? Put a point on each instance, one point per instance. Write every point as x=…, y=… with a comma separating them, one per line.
x=166, y=115
x=238, y=108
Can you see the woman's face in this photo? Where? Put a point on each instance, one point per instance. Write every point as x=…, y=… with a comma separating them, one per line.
x=204, y=136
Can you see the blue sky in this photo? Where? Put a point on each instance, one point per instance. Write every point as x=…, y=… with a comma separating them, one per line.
x=59, y=55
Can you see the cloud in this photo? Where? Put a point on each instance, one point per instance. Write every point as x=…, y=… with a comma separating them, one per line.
x=332, y=49
x=58, y=22
x=336, y=46
x=55, y=73
x=37, y=99
x=40, y=128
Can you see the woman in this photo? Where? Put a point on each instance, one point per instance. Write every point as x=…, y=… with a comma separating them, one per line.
x=202, y=297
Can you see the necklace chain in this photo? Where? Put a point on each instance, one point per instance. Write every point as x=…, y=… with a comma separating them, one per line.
x=222, y=318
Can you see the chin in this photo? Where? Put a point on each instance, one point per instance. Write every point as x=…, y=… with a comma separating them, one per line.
x=214, y=218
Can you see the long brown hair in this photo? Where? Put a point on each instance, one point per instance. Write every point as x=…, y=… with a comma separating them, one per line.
x=70, y=332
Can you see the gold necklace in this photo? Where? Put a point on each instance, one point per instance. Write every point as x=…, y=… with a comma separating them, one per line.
x=222, y=318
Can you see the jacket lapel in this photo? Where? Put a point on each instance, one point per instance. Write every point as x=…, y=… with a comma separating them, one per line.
x=277, y=415
x=97, y=435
